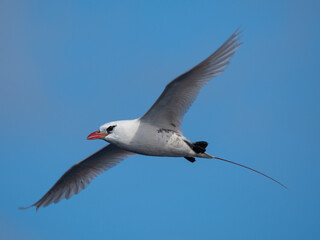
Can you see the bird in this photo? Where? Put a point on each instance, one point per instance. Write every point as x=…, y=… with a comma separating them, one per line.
x=157, y=133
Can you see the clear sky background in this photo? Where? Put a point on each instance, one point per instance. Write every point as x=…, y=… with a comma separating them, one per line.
x=66, y=67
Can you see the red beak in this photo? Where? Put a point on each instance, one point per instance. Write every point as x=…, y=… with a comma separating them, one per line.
x=96, y=135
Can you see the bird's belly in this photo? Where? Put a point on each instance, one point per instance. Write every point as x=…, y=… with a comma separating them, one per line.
x=159, y=142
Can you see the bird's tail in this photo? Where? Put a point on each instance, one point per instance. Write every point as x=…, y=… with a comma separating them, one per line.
x=204, y=155
x=200, y=149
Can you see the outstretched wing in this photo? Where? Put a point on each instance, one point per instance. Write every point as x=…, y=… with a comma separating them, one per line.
x=178, y=96
x=81, y=174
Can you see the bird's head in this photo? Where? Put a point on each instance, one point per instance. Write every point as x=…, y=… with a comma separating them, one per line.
x=106, y=132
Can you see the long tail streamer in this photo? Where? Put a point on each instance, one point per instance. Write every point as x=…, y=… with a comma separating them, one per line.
x=225, y=160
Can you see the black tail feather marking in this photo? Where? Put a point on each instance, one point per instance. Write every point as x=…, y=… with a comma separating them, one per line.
x=198, y=147
x=190, y=159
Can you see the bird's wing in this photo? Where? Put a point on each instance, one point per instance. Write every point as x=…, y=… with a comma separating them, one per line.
x=175, y=100
x=82, y=173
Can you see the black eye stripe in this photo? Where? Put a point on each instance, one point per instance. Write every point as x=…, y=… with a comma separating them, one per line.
x=109, y=129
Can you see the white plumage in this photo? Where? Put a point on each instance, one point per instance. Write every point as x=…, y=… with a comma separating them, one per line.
x=157, y=133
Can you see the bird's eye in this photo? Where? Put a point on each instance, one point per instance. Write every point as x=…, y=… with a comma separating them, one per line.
x=109, y=129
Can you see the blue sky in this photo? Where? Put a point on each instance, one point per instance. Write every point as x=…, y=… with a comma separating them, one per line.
x=66, y=67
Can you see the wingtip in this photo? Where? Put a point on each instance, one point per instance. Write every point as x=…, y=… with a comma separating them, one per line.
x=237, y=34
x=239, y=30
x=24, y=208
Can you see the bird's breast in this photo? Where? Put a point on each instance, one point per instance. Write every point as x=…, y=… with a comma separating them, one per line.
x=154, y=141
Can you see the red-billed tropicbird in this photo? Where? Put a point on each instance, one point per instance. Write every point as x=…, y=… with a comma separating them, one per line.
x=156, y=133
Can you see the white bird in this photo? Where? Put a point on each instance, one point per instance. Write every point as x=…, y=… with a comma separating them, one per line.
x=157, y=133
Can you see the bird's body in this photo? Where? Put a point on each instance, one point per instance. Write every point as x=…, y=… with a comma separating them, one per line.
x=146, y=139
x=157, y=133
